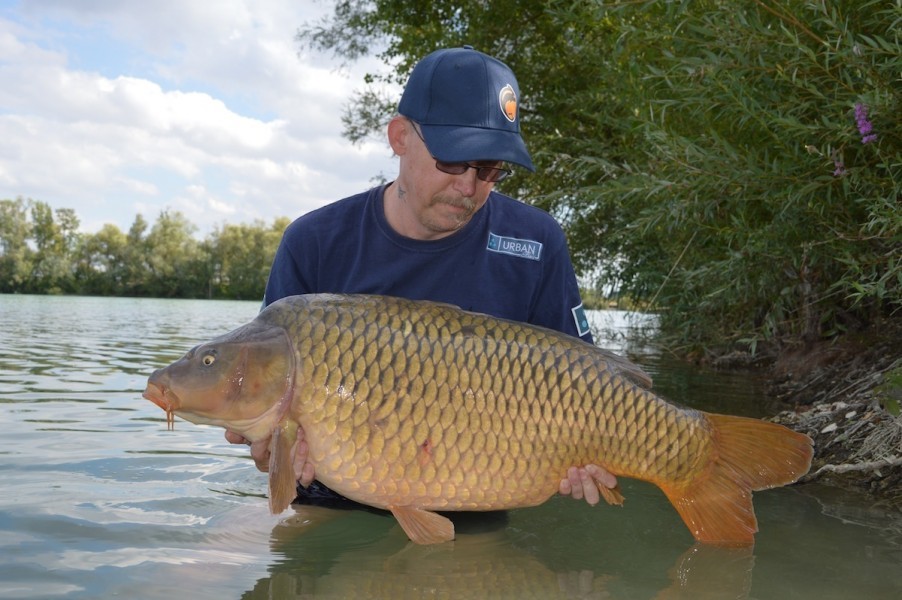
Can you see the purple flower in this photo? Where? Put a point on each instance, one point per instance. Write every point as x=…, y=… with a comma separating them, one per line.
x=840, y=169
x=865, y=127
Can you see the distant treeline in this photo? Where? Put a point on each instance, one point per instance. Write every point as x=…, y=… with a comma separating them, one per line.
x=42, y=252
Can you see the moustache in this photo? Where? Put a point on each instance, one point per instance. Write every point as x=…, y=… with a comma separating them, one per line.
x=466, y=203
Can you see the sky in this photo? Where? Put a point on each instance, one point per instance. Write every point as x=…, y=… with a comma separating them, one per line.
x=210, y=108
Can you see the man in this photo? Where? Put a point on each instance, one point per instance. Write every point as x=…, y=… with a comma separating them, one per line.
x=439, y=231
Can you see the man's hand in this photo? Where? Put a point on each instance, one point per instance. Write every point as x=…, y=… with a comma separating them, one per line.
x=303, y=470
x=259, y=449
x=583, y=482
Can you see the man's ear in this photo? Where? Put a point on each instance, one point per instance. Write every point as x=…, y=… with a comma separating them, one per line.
x=399, y=131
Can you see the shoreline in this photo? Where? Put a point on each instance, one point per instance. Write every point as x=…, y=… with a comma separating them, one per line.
x=845, y=394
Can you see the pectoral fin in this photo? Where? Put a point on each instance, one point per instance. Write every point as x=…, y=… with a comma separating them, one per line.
x=282, y=483
x=422, y=526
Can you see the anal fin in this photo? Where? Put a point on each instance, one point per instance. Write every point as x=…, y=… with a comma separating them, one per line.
x=422, y=526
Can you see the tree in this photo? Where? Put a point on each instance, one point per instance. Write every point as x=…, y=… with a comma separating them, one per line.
x=15, y=255
x=735, y=166
x=759, y=208
x=174, y=260
x=102, y=268
x=55, y=239
x=137, y=268
x=242, y=256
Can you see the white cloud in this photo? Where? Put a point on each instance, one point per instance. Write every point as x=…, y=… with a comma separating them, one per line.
x=115, y=108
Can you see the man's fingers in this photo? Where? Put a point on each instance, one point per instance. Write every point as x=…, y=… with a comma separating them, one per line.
x=307, y=475
x=303, y=470
x=584, y=482
x=565, y=487
x=260, y=454
x=300, y=459
x=590, y=490
x=602, y=476
x=234, y=438
x=576, y=484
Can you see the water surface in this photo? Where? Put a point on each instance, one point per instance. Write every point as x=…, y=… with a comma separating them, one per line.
x=99, y=499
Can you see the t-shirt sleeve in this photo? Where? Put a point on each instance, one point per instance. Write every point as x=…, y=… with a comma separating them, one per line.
x=558, y=303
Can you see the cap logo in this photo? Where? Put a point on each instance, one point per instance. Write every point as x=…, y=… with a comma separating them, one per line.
x=508, y=100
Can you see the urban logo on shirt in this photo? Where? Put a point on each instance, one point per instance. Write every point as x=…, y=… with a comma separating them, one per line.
x=579, y=317
x=515, y=247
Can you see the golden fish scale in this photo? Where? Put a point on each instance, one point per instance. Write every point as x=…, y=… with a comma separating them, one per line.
x=403, y=404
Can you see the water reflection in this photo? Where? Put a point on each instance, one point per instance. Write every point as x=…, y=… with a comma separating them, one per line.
x=493, y=564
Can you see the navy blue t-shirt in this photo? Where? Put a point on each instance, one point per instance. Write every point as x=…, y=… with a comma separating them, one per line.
x=509, y=261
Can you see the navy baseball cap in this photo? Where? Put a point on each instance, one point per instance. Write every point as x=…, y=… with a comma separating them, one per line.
x=466, y=103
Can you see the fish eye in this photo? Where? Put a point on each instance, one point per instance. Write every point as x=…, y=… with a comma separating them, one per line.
x=208, y=359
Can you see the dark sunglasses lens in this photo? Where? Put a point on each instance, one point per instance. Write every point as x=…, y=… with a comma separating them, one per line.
x=451, y=168
x=491, y=174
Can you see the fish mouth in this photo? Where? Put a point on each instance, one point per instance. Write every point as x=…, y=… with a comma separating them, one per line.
x=165, y=399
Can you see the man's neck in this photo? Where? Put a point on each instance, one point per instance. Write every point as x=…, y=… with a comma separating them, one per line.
x=402, y=217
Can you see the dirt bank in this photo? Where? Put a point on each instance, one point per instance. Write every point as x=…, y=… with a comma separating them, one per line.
x=846, y=395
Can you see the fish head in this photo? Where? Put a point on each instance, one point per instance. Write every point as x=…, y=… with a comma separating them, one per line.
x=241, y=381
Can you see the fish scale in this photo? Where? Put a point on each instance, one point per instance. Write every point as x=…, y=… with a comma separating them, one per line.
x=416, y=406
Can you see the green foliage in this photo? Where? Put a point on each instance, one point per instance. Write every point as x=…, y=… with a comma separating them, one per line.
x=41, y=251
x=889, y=393
x=15, y=255
x=770, y=217
x=101, y=261
x=173, y=258
x=241, y=257
x=708, y=158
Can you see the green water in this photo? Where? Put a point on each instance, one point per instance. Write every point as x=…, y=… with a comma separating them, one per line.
x=100, y=500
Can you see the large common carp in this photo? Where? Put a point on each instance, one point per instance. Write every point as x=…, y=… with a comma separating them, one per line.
x=418, y=407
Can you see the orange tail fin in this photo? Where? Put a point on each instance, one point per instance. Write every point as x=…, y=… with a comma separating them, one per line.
x=748, y=455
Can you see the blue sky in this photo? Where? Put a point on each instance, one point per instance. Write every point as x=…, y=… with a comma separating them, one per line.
x=115, y=108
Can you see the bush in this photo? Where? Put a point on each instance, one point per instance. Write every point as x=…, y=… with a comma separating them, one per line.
x=761, y=201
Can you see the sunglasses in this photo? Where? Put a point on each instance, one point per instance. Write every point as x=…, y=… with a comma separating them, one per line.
x=490, y=174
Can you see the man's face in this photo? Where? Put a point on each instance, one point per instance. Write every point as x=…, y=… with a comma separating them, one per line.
x=438, y=203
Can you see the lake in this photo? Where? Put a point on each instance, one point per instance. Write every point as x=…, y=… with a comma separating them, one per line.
x=100, y=500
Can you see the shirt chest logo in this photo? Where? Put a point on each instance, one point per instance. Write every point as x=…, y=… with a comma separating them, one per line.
x=515, y=247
